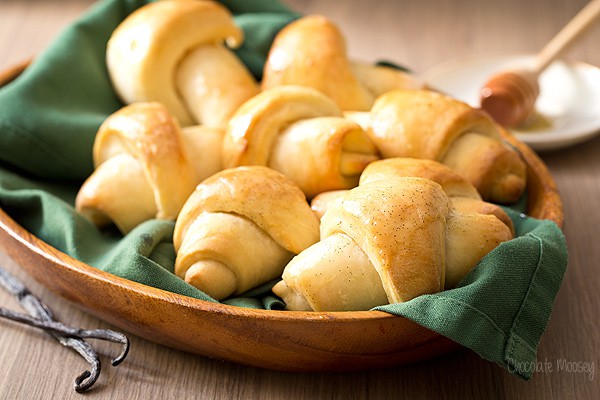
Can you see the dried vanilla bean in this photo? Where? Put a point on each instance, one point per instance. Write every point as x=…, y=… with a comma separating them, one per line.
x=41, y=317
x=62, y=329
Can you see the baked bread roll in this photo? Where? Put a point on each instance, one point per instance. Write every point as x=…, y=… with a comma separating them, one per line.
x=311, y=51
x=239, y=229
x=142, y=169
x=301, y=133
x=431, y=125
x=173, y=52
x=463, y=196
x=452, y=183
x=387, y=241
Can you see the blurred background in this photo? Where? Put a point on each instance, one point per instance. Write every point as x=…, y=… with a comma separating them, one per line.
x=416, y=34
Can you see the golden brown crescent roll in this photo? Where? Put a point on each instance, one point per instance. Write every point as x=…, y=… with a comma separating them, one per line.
x=239, y=229
x=462, y=194
x=387, y=241
x=300, y=132
x=311, y=51
x=172, y=52
x=453, y=184
x=431, y=125
x=142, y=169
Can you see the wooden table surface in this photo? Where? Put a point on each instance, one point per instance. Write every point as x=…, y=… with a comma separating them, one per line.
x=418, y=34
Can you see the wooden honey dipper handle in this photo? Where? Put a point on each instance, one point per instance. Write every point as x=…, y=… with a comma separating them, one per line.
x=509, y=96
x=567, y=35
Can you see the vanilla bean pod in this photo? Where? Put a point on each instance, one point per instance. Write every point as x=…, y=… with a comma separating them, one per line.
x=40, y=316
x=60, y=328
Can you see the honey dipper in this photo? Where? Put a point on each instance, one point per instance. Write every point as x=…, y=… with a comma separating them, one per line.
x=509, y=96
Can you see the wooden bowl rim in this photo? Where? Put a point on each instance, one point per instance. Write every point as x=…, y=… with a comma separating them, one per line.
x=17, y=232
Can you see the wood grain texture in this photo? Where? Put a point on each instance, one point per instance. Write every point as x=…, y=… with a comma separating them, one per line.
x=35, y=367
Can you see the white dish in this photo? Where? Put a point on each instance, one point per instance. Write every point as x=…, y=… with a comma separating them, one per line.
x=569, y=99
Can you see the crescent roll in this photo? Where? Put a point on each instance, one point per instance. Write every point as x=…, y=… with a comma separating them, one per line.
x=311, y=51
x=430, y=125
x=173, y=52
x=142, y=169
x=301, y=133
x=453, y=184
x=463, y=196
x=387, y=241
x=239, y=228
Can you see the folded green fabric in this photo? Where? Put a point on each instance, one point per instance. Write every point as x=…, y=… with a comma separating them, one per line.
x=49, y=117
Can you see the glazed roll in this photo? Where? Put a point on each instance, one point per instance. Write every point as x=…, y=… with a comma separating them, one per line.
x=453, y=184
x=301, y=133
x=146, y=166
x=142, y=169
x=464, y=198
x=239, y=229
x=311, y=51
x=430, y=125
x=176, y=52
x=388, y=241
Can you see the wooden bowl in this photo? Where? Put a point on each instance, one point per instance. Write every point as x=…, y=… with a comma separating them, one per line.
x=280, y=340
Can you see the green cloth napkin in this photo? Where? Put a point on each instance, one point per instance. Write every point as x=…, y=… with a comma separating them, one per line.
x=48, y=120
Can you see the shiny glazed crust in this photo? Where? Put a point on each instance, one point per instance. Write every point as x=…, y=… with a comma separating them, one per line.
x=172, y=52
x=312, y=52
x=394, y=237
x=142, y=168
x=301, y=133
x=430, y=125
x=256, y=203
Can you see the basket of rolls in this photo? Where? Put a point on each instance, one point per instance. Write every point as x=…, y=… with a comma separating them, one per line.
x=230, y=183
